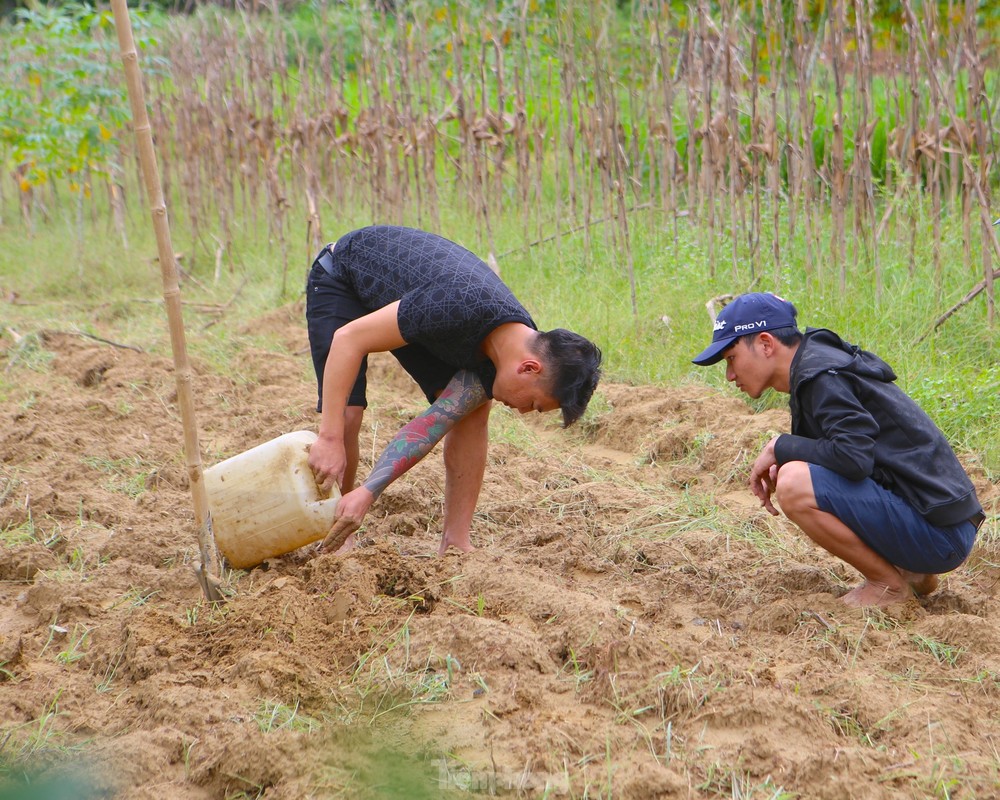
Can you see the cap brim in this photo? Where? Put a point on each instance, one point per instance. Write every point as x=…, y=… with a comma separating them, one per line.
x=712, y=354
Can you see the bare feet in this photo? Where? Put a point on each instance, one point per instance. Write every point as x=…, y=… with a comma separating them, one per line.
x=462, y=544
x=921, y=583
x=875, y=594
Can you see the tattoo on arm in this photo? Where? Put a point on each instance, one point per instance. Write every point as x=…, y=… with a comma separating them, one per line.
x=463, y=395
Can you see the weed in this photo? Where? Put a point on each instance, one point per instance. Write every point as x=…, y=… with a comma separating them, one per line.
x=388, y=680
x=576, y=670
x=942, y=652
x=29, y=353
x=7, y=486
x=476, y=612
x=191, y=615
x=35, y=740
x=187, y=747
x=699, y=511
x=136, y=597
x=112, y=670
x=73, y=652
x=846, y=723
x=12, y=535
x=274, y=716
x=129, y=476
x=481, y=686
x=723, y=781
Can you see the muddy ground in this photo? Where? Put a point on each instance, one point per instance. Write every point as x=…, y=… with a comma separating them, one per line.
x=632, y=625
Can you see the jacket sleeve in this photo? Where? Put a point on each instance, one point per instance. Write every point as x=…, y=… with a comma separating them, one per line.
x=844, y=431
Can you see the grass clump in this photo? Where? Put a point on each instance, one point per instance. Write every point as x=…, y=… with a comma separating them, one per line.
x=274, y=716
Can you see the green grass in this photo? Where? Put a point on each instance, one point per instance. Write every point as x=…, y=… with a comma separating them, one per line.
x=12, y=535
x=274, y=716
x=388, y=679
x=945, y=654
x=26, y=744
x=129, y=476
x=953, y=374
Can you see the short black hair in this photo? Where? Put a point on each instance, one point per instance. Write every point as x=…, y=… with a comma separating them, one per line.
x=575, y=364
x=789, y=336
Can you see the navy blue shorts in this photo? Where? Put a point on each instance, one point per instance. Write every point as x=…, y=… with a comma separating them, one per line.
x=889, y=525
x=330, y=304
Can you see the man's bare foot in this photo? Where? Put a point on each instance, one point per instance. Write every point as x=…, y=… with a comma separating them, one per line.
x=463, y=545
x=875, y=594
x=921, y=582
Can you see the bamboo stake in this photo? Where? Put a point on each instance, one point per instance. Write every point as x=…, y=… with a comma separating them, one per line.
x=207, y=566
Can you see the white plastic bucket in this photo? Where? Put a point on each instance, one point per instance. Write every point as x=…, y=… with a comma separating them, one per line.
x=265, y=502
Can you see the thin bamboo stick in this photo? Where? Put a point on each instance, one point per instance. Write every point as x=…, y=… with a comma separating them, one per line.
x=207, y=566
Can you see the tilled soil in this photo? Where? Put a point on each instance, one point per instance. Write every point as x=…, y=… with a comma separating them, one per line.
x=632, y=624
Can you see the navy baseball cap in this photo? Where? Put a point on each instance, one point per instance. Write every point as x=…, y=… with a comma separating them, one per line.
x=749, y=313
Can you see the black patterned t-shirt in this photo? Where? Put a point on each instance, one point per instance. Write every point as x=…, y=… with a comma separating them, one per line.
x=450, y=299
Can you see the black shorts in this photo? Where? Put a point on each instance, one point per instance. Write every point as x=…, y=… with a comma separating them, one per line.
x=330, y=304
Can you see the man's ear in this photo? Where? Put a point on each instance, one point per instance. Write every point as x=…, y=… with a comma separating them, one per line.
x=529, y=366
x=768, y=344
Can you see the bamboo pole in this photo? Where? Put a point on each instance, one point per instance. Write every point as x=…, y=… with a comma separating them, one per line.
x=207, y=566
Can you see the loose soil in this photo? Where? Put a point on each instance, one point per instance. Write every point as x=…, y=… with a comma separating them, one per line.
x=632, y=624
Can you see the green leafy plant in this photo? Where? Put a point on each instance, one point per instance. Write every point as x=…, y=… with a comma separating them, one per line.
x=62, y=102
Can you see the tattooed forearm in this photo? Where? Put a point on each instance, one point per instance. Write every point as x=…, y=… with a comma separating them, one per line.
x=463, y=394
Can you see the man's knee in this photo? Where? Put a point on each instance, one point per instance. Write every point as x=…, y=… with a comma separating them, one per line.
x=794, y=489
x=353, y=417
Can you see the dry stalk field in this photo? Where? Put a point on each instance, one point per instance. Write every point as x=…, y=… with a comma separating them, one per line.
x=780, y=132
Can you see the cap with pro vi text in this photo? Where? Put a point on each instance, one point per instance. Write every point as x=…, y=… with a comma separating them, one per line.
x=749, y=313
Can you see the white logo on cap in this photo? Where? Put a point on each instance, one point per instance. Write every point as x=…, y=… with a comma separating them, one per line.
x=718, y=325
x=751, y=326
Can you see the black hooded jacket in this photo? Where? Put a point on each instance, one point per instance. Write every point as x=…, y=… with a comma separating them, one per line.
x=849, y=416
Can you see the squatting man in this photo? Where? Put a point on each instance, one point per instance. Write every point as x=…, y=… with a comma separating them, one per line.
x=458, y=330
x=864, y=473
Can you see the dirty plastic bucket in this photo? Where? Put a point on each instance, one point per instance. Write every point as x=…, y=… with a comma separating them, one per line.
x=265, y=502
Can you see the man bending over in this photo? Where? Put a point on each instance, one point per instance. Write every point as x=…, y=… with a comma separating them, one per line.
x=460, y=333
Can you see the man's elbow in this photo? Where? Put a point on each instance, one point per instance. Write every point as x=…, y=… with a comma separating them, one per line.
x=857, y=469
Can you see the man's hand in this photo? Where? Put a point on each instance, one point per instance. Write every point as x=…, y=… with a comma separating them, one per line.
x=351, y=510
x=764, y=476
x=328, y=460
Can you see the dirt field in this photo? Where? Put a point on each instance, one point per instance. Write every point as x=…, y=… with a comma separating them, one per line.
x=631, y=626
